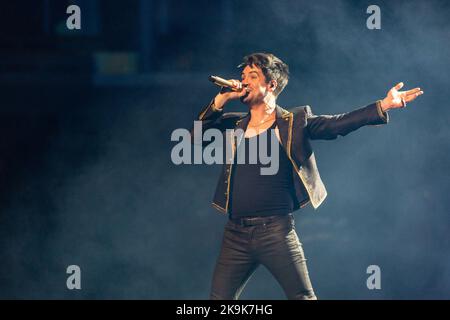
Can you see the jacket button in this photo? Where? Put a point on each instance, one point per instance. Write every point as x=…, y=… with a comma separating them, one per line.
x=226, y=181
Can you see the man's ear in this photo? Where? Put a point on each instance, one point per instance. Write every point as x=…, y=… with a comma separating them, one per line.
x=273, y=84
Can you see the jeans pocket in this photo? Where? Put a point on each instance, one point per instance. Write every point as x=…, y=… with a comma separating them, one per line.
x=283, y=225
x=233, y=229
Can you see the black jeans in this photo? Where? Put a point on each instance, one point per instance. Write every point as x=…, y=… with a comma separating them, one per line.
x=270, y=241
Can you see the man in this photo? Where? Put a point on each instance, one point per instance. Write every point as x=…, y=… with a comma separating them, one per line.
x=260, y=229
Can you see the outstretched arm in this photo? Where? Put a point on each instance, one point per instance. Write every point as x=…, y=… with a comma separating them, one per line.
x=329, y=127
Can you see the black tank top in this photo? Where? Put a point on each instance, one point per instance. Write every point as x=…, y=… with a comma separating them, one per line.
x=254, y=194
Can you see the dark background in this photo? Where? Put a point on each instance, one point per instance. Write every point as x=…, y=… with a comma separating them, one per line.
x=86, y=116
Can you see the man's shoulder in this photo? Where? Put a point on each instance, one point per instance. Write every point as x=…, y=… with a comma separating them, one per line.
x=234, y=115
x=299, y=111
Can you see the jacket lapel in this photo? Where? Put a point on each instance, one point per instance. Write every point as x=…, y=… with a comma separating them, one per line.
x=283, y=120
x=241, y=124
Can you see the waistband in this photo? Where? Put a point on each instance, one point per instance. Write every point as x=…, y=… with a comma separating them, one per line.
x=254, y=221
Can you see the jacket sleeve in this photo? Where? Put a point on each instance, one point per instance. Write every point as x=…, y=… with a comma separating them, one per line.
x=213, y=118
x=329, y=127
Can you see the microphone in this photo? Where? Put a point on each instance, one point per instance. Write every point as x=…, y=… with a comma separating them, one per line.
x=225, y=83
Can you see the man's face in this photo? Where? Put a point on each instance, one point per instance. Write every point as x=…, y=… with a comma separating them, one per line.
x=255, y=81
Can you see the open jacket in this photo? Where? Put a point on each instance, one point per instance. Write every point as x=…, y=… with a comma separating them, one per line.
x=294, y=129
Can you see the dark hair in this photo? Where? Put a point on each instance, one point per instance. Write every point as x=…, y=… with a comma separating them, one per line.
x=272, y=67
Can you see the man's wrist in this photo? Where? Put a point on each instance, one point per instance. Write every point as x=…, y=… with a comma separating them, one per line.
x=218, y=104
x=215, y=108
x=382, y=114
x=384, y=106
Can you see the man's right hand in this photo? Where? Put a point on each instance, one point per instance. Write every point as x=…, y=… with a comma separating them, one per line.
x=227, y=94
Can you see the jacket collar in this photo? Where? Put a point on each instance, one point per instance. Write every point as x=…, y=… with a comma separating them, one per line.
x=280, y=115
x=282, y=119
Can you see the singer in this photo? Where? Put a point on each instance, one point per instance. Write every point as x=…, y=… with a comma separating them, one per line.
x=260, y=227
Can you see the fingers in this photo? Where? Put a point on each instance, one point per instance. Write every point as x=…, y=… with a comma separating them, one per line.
x=239, y=88
x=413, y=96
x=236, y=84
x=412, y=91
x=233, y=91
x=234, y=87
x=410, y=95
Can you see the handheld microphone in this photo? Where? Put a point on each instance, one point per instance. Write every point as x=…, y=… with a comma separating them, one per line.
x=225, y=83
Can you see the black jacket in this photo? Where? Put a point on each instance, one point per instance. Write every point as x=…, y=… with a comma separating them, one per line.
x=296, y=128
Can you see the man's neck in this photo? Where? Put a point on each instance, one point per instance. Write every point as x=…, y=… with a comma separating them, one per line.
x=260, y=112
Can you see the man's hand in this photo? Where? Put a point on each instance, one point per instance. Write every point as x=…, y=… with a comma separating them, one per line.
x=227, y=94
x=399, y=99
